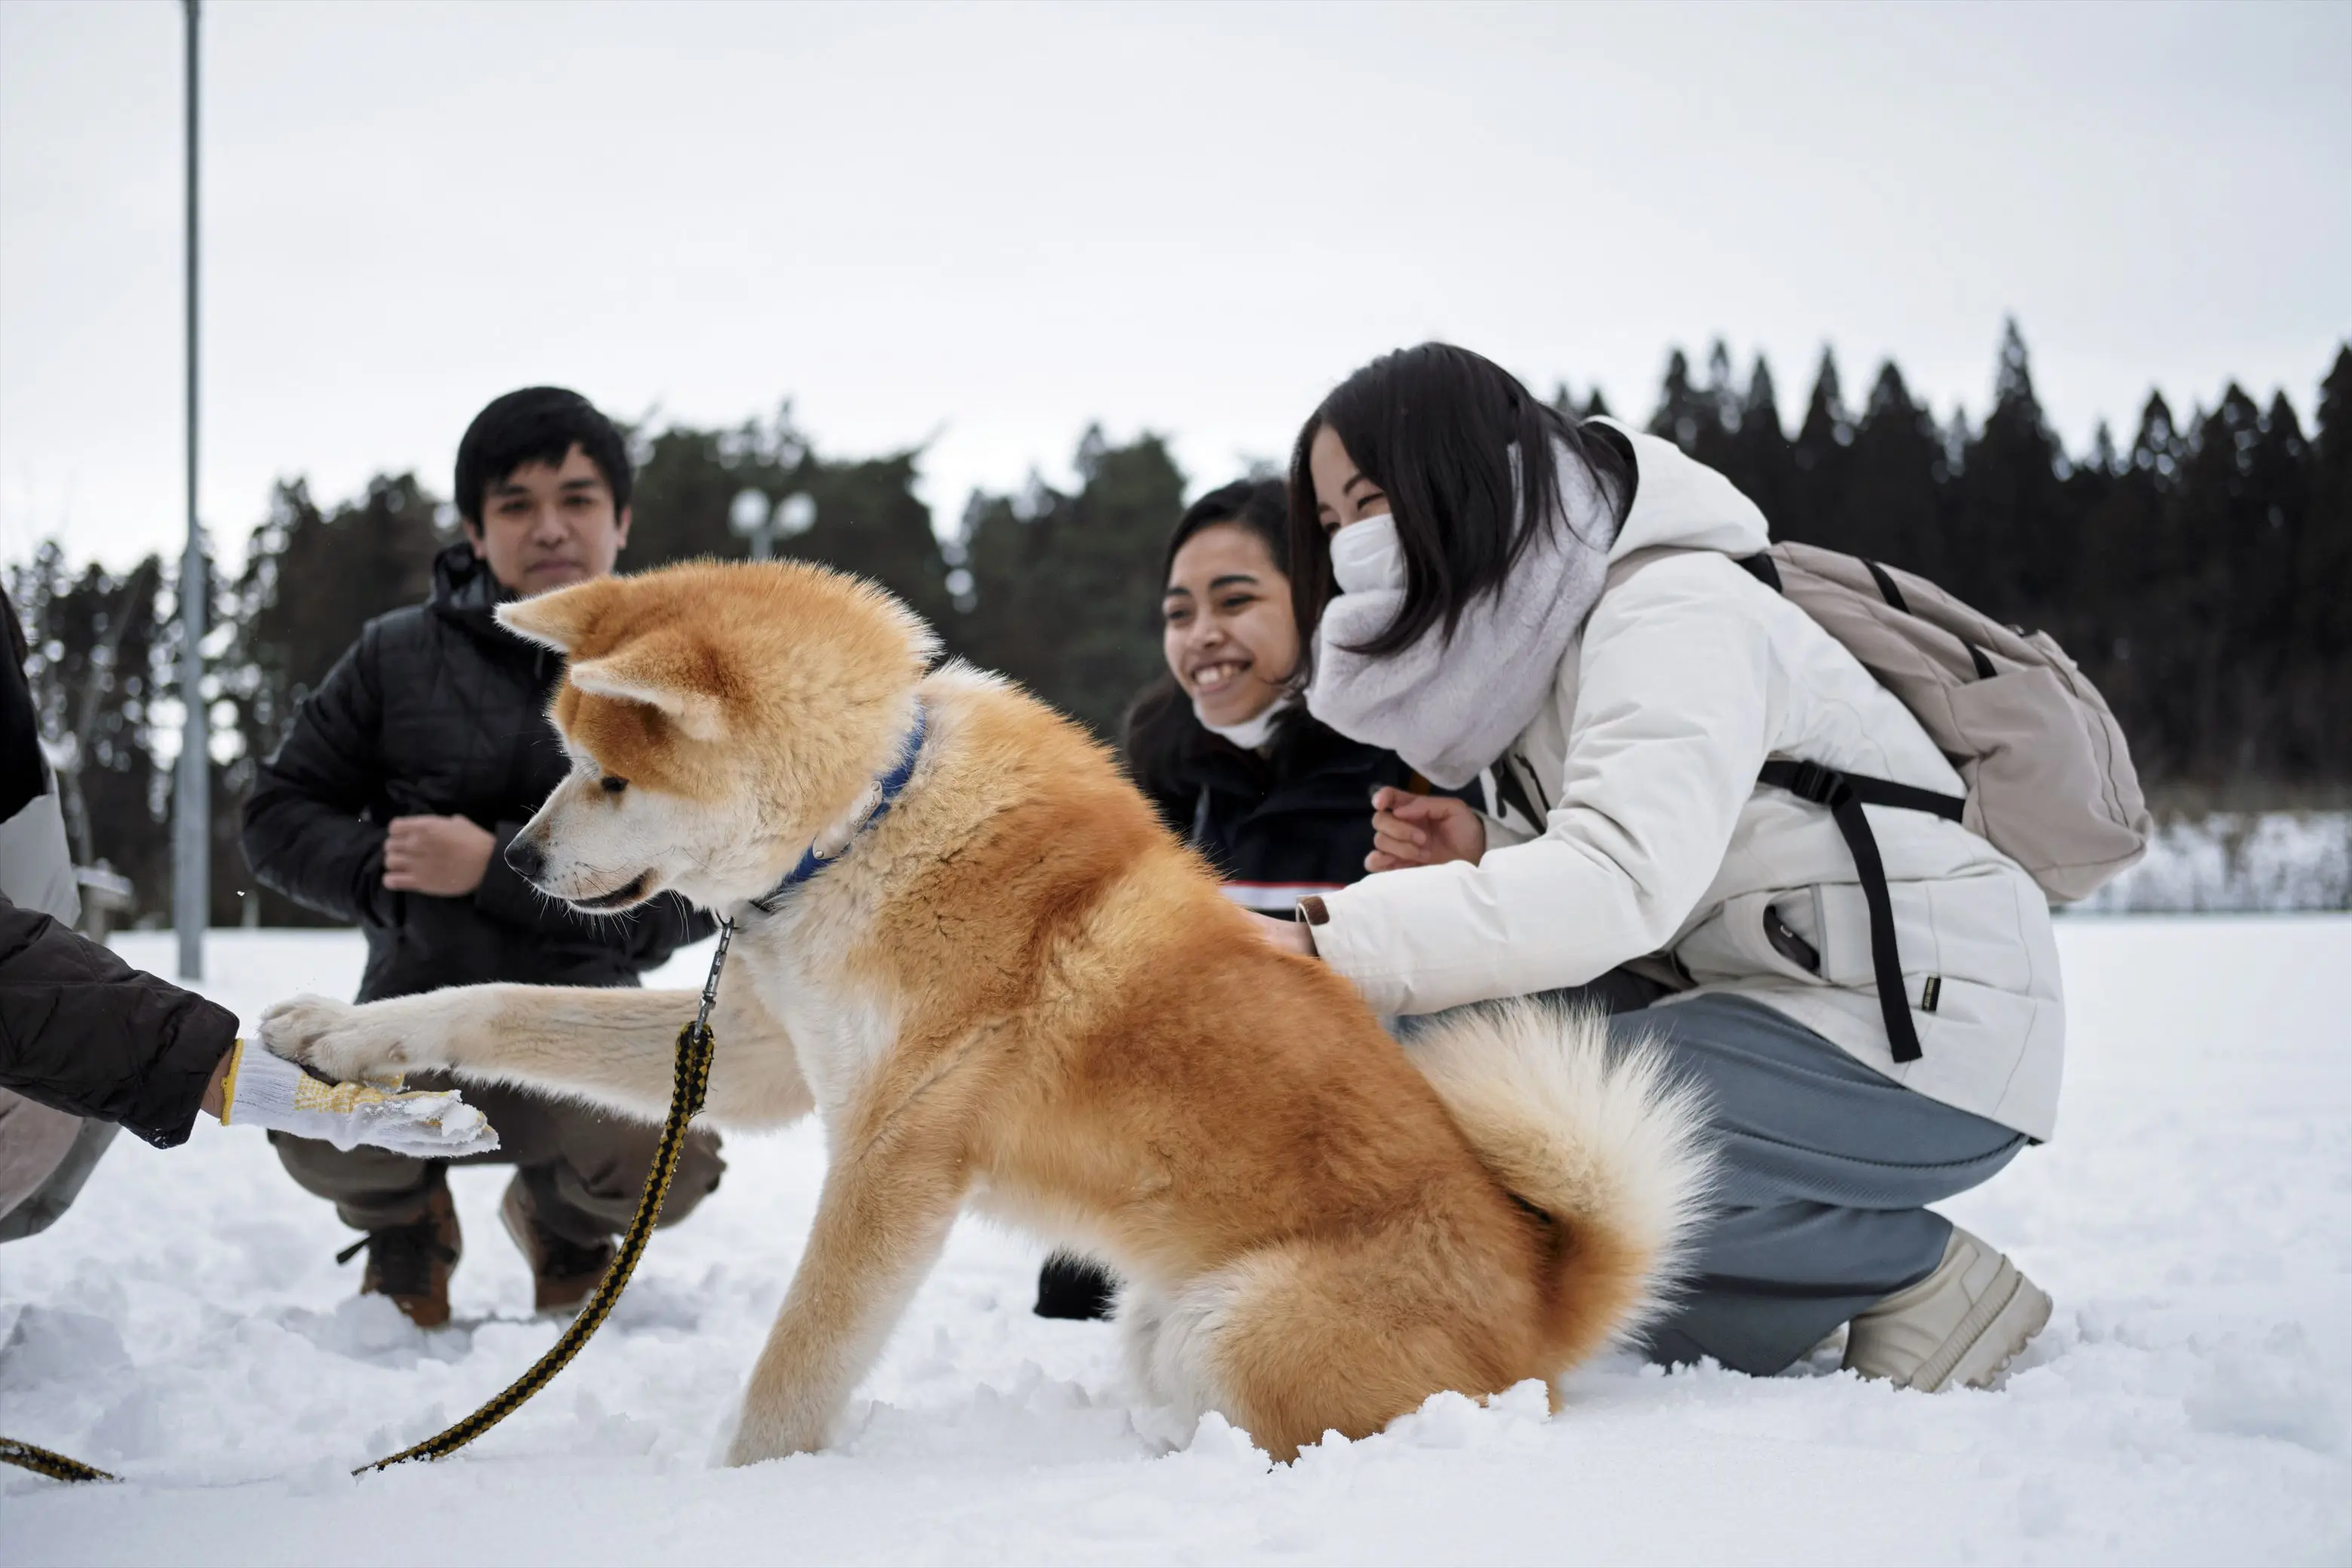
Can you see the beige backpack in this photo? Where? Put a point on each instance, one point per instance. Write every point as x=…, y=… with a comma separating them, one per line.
x=2049, y=778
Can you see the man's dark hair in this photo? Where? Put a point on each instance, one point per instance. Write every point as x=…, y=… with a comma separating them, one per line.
x=1437, y=428
x=537, y=425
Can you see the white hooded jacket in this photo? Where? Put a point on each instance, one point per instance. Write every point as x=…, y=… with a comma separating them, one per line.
x=1656, y=839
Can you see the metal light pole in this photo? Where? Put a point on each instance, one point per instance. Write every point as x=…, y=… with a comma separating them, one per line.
x=752, y=518
x=192, y=808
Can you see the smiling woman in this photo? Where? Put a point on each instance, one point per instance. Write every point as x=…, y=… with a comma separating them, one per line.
x=1279, y=803
x=1228, y=633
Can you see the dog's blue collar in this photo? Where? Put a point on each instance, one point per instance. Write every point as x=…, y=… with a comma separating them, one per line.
x=892, y=784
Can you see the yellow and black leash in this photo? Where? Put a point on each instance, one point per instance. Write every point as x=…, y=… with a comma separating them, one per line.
x=694, y=1048
x=56, y=1467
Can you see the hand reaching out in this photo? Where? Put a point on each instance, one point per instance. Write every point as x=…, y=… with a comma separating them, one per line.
x=1422, y=830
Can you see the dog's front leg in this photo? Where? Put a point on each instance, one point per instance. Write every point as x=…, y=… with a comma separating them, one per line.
x=885, y=1212
x=616, y=1047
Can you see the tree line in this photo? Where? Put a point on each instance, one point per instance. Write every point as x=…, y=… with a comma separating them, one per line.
x=2201, y=573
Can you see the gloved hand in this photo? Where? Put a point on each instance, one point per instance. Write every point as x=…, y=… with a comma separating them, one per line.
x=263, y=1089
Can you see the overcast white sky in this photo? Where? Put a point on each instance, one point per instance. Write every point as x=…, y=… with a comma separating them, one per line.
x=988, y=226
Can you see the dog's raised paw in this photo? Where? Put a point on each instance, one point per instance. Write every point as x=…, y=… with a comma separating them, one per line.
x=334, y=1039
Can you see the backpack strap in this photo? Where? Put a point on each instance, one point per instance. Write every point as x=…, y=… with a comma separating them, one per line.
x=1758, y=565
x=1845, y=794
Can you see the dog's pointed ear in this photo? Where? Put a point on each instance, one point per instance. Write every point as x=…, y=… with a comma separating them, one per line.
x=667, y=672
x=560, y=620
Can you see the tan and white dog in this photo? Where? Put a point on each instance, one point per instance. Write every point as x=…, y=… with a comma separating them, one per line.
x=1017, y=992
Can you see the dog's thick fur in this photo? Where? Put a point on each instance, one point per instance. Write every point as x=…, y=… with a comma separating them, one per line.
x=1018, y=991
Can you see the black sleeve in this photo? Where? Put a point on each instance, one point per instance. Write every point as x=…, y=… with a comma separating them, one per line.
x=646, y=935
x=22, y=777
x=82, y=1031
x=304, y=834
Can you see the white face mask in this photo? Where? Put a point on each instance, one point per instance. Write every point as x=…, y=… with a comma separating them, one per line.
x=1367, y=556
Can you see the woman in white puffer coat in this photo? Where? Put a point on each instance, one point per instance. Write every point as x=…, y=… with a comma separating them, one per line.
x=1467, y=617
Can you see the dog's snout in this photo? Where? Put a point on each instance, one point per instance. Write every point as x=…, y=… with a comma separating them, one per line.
x=526, y=857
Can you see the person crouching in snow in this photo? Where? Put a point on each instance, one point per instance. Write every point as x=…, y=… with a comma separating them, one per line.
x=88, y=1045
x=391, y=803
x=1453, y=537
x=1273, y=800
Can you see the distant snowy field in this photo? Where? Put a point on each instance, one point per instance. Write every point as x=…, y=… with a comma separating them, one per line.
x=2270, y=860
x=2190, y=1403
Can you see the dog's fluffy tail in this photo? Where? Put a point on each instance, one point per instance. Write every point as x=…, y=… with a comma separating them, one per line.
x=1599, y=1135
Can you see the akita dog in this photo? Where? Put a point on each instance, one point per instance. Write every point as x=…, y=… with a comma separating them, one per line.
x=1013, y=989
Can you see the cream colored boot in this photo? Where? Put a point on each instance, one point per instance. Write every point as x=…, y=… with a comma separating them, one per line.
x=1962, y=1324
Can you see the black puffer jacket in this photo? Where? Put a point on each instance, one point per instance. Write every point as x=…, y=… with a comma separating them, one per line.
x=438, y=711
x=1292, y=821
x=81, y=1030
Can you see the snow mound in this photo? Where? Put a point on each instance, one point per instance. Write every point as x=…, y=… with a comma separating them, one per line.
x=2191, y=1402
x=2231, y=861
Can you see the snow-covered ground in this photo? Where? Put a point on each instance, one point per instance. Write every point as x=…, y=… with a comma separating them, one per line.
x=2271, y=860
x=2191, y=1401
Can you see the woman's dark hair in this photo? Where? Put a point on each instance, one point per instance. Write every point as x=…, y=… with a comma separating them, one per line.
x=1160, y=727
x=537, y=425
x=1436, y=427
x=1261, y=506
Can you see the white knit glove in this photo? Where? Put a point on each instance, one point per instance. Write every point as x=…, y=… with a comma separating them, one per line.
x=264, y=1090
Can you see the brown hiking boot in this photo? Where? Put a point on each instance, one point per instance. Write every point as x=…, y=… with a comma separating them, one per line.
x=563, y=1272
x=411, y=1263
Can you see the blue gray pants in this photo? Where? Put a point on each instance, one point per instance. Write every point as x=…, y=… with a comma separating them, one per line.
x=1824, y=1172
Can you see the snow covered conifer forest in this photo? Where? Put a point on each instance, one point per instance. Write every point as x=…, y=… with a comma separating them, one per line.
x=2200, y=570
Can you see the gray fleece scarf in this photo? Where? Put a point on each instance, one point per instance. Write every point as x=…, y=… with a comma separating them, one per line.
x=1451, y=707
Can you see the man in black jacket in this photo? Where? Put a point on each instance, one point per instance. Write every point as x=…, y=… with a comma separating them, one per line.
x=391, y=803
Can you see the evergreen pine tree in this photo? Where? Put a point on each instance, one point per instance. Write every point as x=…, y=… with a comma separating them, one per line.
x=1682, y=413
x=1563, y=399
x=1893, y=505
x=1720, y=407
x=2322, y=635
x=2213, y=519
x=2084, y=611
x=1818, y=512
x=93, y=674
x=1066, y=587
x=1759, y=460
x=2275, y=711
x=2010, y=538
x=868, y=519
